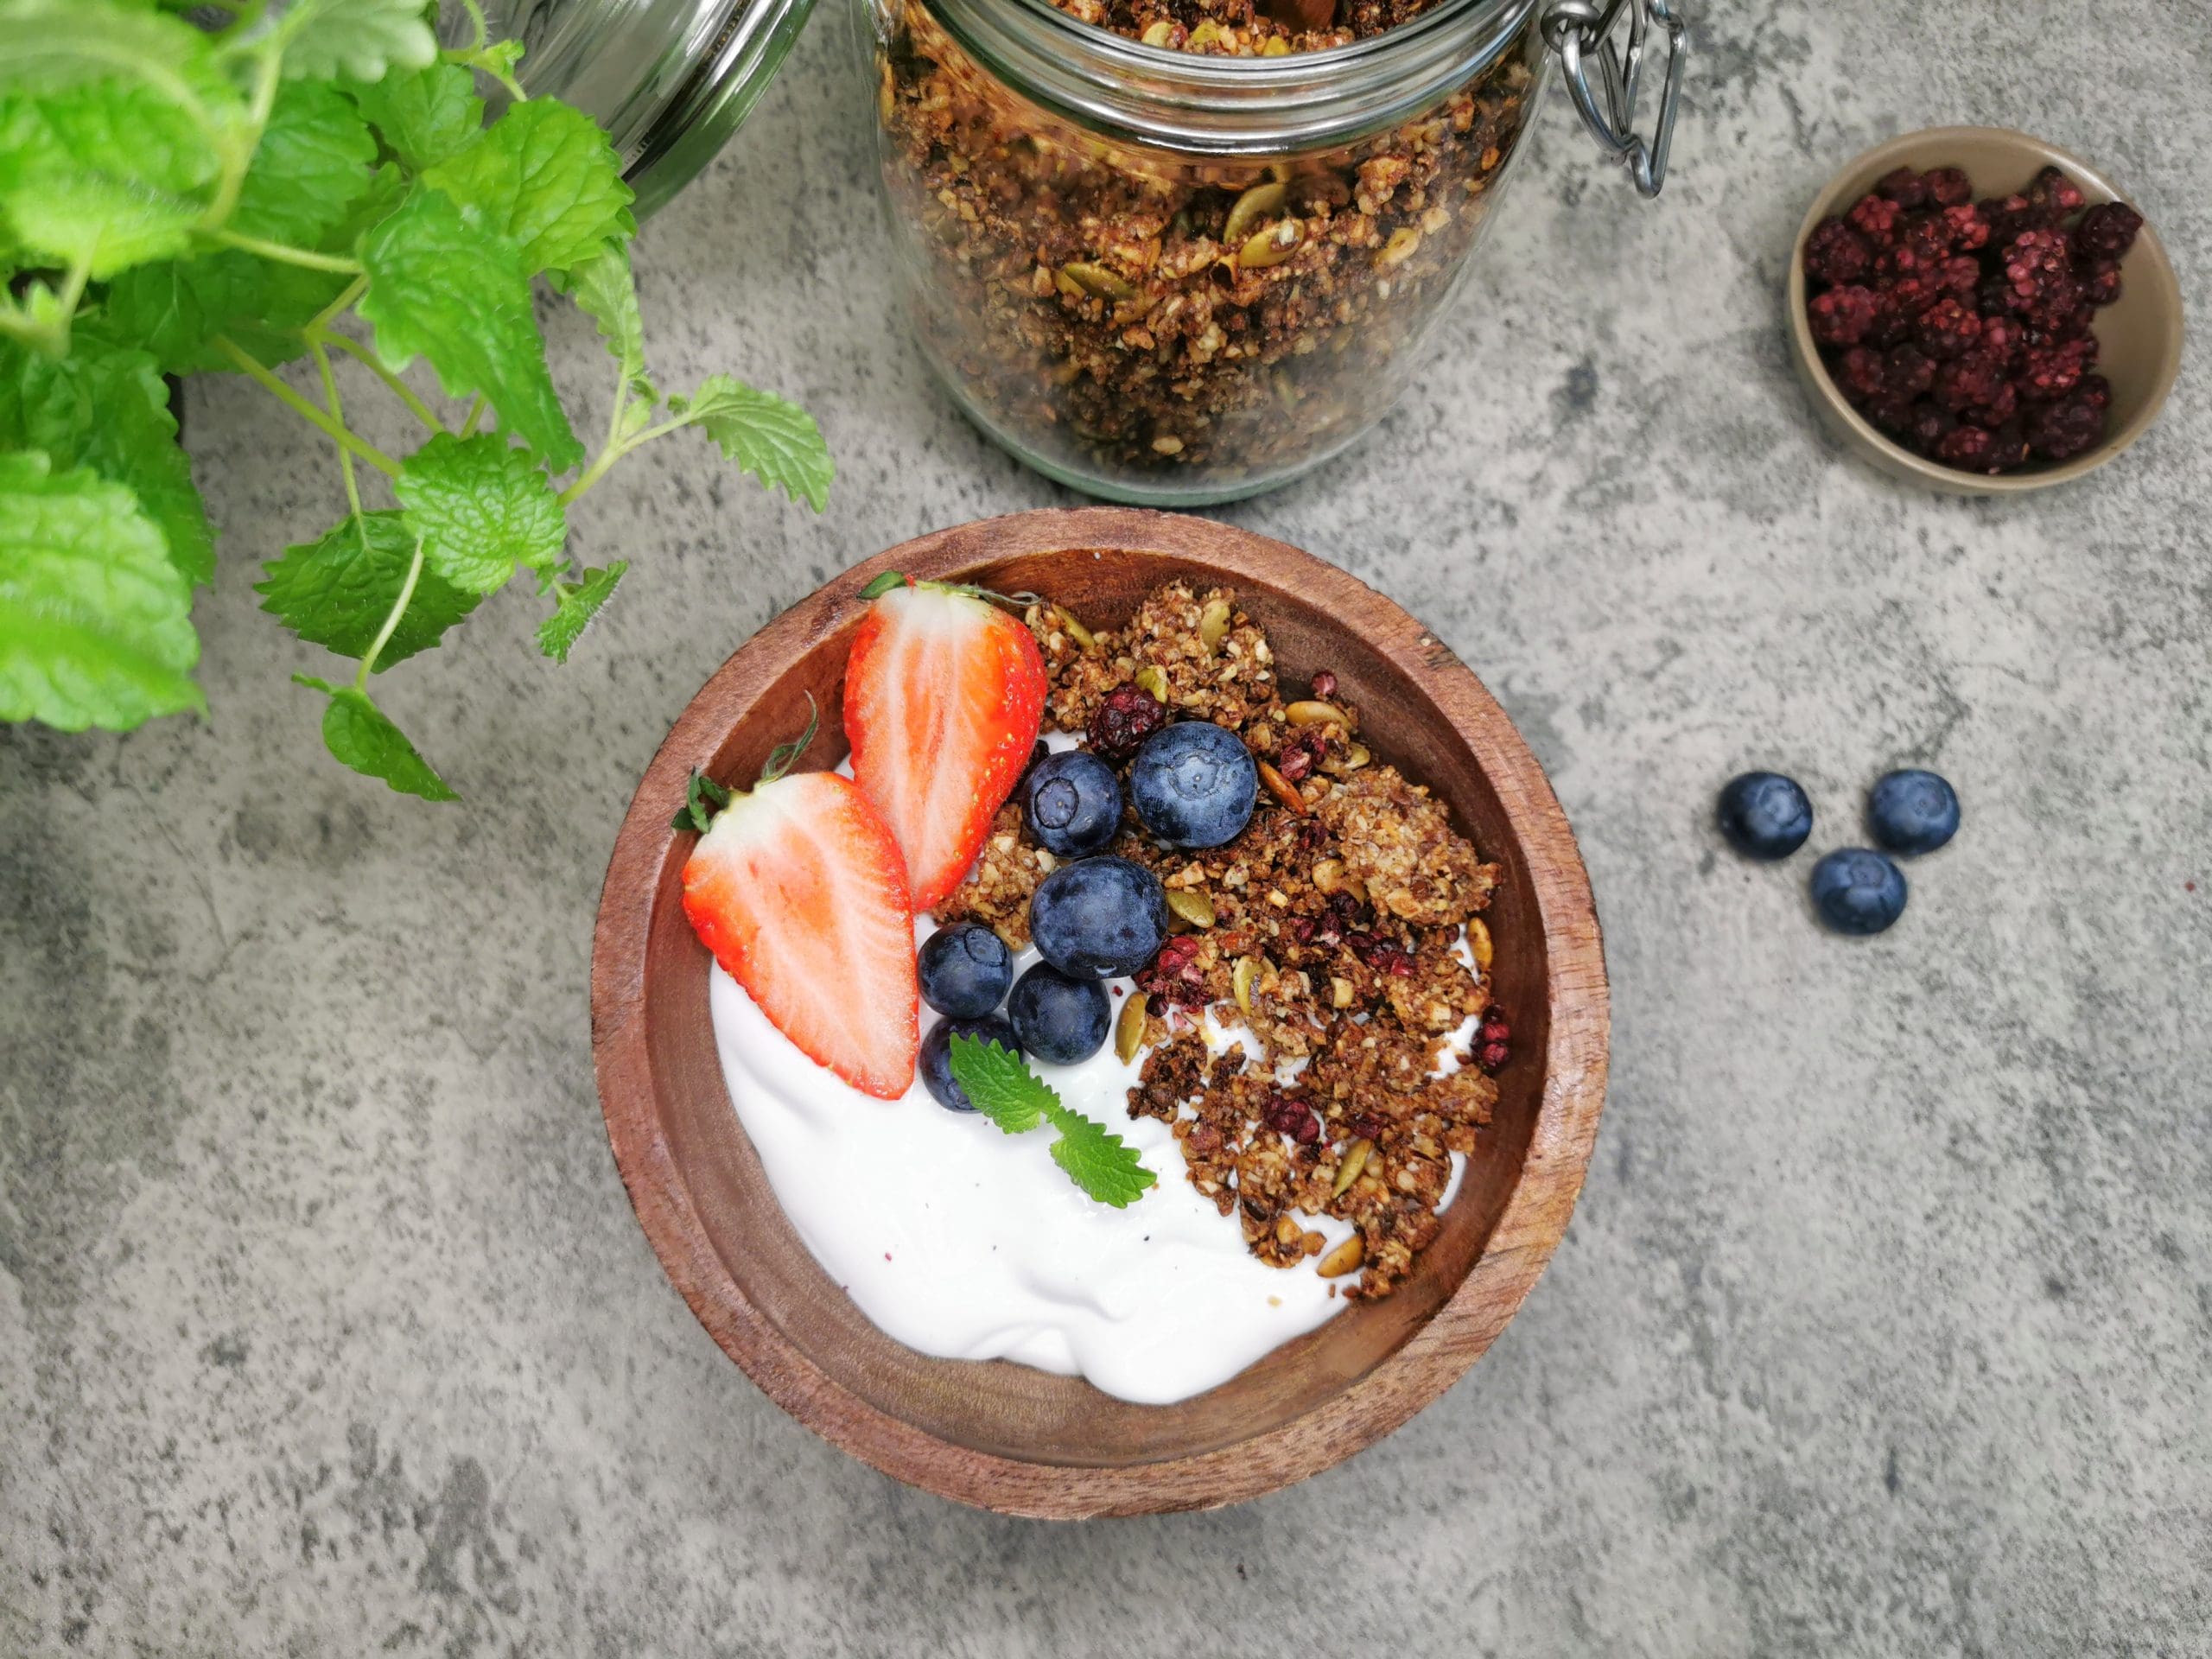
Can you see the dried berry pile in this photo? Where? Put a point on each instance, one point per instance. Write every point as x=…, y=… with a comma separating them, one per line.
x=1964, y=329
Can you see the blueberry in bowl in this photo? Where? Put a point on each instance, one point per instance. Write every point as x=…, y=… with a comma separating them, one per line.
x=1857, y=891
x=1099, y=917
x=1073, y=803
x=1764, y=815
x=1912, y=812
x=935, y=1062
x=1058, y=1018
x=964, y=970
x=1193, y=784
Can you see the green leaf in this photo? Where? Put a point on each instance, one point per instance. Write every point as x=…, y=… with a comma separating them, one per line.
x=771, y=438
x=481, y=508
x=95, y=619
x=313, y=164
x=361, y=39
x=543, y=175
x=362, y=737
x=108, y=408
x=444, y=285
x=424, y=115
x=576, y=604
x=604, y=290
x=337, y=590
x=113, y=121
x=1000, y=1086
x=172, y=307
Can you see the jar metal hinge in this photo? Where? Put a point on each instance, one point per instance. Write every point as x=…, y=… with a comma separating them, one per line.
x=1581, y=32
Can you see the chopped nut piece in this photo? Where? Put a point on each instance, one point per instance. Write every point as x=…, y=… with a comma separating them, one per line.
x=1344, y=1259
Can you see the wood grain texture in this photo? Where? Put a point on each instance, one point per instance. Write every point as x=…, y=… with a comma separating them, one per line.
x=1003, y=1436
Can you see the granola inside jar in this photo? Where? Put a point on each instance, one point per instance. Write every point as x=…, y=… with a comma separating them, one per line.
x=1179, y=251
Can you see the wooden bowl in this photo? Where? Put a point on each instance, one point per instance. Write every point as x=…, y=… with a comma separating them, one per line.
x=1001, y=1435
x=2139, y=335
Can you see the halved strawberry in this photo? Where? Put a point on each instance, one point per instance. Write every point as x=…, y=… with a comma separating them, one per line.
x=800, y=890
x=943, y=692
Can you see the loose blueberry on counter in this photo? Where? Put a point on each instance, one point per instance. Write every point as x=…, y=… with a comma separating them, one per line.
x=1856, y=891
x=1098, y=917
x=965, y=969
x=1073, y=803
x=1193, y=784
x=1765, y=815
x=936, y=1065
x=1058, y=1019
x=1912, y=812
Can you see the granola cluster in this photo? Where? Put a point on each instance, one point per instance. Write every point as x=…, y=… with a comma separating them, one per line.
x=1137, y=313
x=1338, y=937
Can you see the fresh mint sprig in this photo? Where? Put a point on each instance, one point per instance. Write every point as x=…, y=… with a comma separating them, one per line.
x=312, y=183
x=1003, y=1088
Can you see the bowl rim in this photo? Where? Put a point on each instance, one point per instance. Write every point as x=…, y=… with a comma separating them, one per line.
x=2159, y=270
x=1430, y=1360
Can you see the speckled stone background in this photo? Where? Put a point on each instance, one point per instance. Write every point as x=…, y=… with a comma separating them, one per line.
x=1885, y=1326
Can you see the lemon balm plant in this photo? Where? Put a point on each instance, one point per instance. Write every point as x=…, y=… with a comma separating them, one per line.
x=258, y=185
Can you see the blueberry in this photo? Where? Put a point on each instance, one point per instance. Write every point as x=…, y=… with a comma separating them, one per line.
x=1765, y=815
x=965, y=969
x=1193, y=784
x=1912, y=812
x=1071, y=802
x=1856, y=891
x=1098, y=916
x=1058, y=1019
x=936, y=1057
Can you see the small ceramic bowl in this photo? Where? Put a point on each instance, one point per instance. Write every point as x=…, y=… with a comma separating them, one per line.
x=2139, y=335
x=1003, y=1436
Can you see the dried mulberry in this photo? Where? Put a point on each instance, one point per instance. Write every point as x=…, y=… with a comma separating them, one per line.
x=1948, y=187
x=1125, y=716
x=1840, y=317
x=2108, y=230
x=2061, y=430
x=1904, y=187
x=2049, y=372
x=1836, y=254
x=1947, y=329
x=2057, y=196
x=1876, y=218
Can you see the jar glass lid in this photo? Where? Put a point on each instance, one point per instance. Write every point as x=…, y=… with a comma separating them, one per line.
x=668, y=79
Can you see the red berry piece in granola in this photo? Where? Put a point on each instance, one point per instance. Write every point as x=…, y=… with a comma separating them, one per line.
x=1173, y=978
x=1493, y=1042
x=2108, y=230
x=1294, y=1118
x=1904, y=187
x=1948, y=187
x=1125, y=716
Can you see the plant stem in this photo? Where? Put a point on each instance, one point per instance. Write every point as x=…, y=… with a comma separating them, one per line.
x=338, y=413
x=319, y=323
x=289, y=256
x=240, y=151
x=307, y=412
x=614, y=452
x=476, y=22
x=375, y=364
x=391, y=621
x=475, y=414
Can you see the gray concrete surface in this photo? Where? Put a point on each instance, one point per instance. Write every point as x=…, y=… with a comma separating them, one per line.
x=1885, y=1323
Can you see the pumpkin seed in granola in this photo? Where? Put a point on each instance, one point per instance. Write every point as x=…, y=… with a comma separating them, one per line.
x=1241, y=978
x=1128, y=1029
x=1479, y=943
x=1193, y=907
x=1213, y=623
x=1097, y=281
x=1251, y=208
x=1355, y=1160
x=1271, y=247
x=1151, y=678
x=1344, y=1259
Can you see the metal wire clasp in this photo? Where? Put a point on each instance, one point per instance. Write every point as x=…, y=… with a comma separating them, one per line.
x=1581, y=31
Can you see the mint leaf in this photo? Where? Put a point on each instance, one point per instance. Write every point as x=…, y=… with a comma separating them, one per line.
x=769, y=436
x=171, y=307
x=545, y=176
x=1002, y=1086
x=443, y=284
x=336, y=590
x=576, y=603
x=604, y=290
x=362, y=737
x=481, y=508
x=422, y=115
x=363, y=39
x=312, y=165
x=95, y=620
x=108, y=408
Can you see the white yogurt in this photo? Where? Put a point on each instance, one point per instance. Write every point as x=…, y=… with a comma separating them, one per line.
x=966, y=1242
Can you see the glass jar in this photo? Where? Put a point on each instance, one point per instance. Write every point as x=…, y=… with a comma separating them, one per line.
x=1158, y=275
x=1173, y=278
